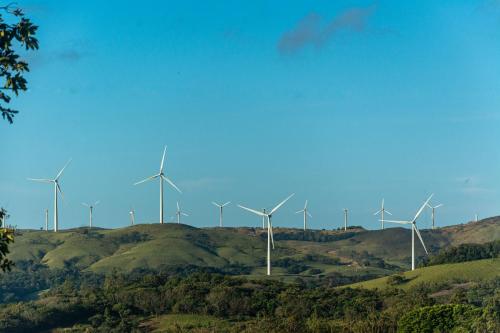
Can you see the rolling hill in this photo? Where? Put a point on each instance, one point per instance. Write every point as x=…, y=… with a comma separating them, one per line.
x=471, y=271
x=150, y=246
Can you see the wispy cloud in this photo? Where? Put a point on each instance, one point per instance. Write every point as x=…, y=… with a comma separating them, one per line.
x=311, y=30
x=472, y=185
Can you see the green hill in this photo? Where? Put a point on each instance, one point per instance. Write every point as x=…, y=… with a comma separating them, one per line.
x=150, y=246
x=471, y=271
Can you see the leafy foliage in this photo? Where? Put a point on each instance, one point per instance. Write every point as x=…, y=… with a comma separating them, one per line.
x=16, y=31
x=466, y=252
x=6, y=237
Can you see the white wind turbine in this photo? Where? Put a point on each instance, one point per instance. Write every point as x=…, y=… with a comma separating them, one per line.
x=381, y=211
x=269, y=227
x=414, y=230
x=306, y=214
x=433, y=208
x=57, y=188
x=178, y=213
x=132, y=216
x=345, y=218
x=91, y=209
x=162, y=178
x=220, y=210
x=46, y=220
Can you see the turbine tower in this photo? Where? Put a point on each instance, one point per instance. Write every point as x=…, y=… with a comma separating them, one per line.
x=57, y=188
x=162, y=177
x=476, y=218
x=414, y=230
x=306, y=214
x=433, y=208
x=220, y=210
x=381, y=211
x=269, y=227
x=46, y=220
x=345, y=218
x=179, y=213
x=132, y=216
x=91, y=208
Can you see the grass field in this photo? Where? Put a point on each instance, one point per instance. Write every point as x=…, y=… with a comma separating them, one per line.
x=186, y=323
x=454, y=273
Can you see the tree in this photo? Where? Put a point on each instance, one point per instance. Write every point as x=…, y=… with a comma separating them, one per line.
x=16, y=32
x=6, y=237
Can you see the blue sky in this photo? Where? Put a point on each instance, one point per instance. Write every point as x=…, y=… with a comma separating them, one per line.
x=341, y=102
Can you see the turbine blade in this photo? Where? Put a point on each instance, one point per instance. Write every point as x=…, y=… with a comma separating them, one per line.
x=271, y=232
x=171, y=183
x=60, y=172
x=86, y=205
x=378, y=212
x=281, y=204
x=420, y=237
x=59, y=190
x=309, y=214
x=388, y=212
x=305, y=205
x=252, y=210
x=216, y=204
x=40, y=180
x=383, y=200
x=97, y=202
x=163, y=158
x=422, y=208
x=398, y=222
x=227, y=203
x=145, y=180
x=178, y=207
x=299, y=211
x=440, y=205
x=184, y=214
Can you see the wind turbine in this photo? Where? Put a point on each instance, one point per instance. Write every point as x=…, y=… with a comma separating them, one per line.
x=132, y=216
x=306, y=214
x=381, y=211
x=162, y=177
x=46, y=220
x=345, y=218
x=414, y=230
x=57, y=188
x=220, y=210
x=433, y=212
x=91, y=208
x=179, y=213
x=269, y=216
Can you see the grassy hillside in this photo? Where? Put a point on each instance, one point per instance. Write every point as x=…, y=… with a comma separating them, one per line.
x=478, y=270
x=356, y=251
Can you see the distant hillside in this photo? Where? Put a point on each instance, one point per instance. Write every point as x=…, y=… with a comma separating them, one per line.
x=471, y=271
x=151, y=246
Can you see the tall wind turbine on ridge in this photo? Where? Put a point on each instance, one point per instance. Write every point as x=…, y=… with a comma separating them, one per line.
x=269, y=227
x=162, y=177
x=132, y=216
x=306, y=214
x=57, y=188
x=433, y=208
x=414, y=230
x=345, y=218
x=220, y=210
x=91, y=208
x=46, y=220
x=381, y=211
x=178, y=213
